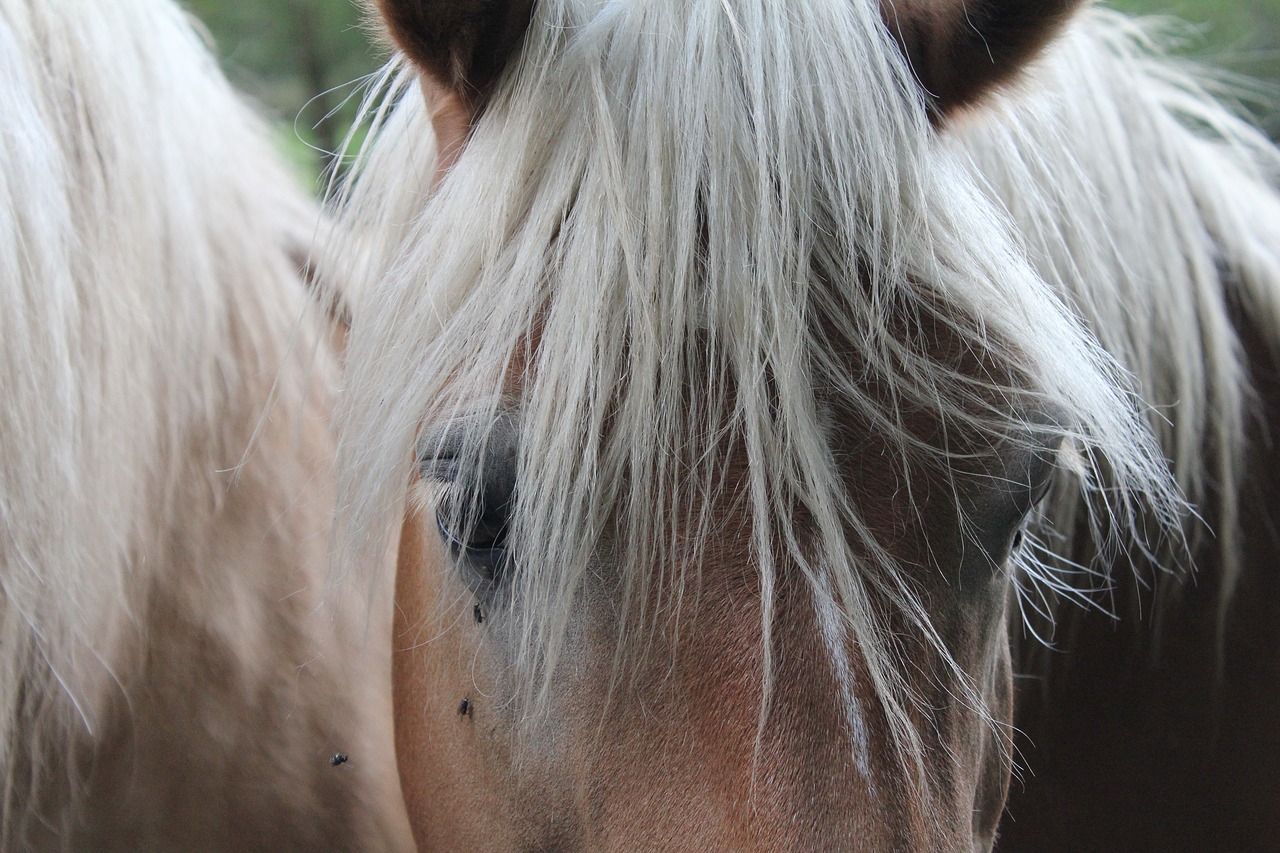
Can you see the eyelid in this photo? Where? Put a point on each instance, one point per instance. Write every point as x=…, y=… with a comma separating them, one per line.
x=439, y=453
x=457, y=544
x=439, y=469
x=443, y=448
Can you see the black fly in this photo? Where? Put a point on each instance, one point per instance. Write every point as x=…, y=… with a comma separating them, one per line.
x=339, y=758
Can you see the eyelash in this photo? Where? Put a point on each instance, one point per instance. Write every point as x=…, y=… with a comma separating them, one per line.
x=483, y=549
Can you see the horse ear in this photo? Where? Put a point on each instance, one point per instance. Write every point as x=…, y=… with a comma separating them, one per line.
x=461, y=46
x=961, y=50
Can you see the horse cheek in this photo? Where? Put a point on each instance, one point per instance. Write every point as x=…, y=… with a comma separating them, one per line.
x=450, y=789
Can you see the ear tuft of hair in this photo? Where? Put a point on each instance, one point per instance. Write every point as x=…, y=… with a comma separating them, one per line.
x=962, y=50
x=462, y=45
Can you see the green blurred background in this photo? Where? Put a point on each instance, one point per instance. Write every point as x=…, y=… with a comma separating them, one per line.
x=302, y=59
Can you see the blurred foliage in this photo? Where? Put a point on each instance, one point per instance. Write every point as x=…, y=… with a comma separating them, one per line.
x=1242, y=35
x=1239, y=36
x=302, y=58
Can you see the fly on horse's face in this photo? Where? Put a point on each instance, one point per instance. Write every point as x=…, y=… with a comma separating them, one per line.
x=781, y=637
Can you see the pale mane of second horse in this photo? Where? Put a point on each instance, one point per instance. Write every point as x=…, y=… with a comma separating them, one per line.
x=168, y=680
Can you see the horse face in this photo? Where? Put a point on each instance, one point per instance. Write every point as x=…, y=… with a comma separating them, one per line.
x=687, y=752
x=742, y=725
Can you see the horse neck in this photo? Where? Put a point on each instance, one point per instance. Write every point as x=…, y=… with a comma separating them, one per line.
x=166, y=491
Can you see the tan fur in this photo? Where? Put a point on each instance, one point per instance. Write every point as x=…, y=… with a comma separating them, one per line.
x=674, y=758
x=451, y=118
x=451, y=793
x=248, y=681
x=174, y=672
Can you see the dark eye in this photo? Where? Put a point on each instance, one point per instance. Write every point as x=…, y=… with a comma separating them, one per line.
x=474, y=526
x=474, y=523
x=1028, y=493
x=478, y=470
x=999, y=506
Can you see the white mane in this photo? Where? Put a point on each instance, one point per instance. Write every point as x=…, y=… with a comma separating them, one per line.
x=665, y=194
x=150, y=294
x=1154, y=210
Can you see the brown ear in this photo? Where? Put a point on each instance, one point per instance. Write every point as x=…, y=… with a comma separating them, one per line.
x=461, y=46
x=961, y=50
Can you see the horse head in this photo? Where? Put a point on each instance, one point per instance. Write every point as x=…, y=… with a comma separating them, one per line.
x=726, y=400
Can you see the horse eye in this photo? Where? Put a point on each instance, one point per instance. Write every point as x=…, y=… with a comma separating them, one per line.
x=478, y=524
x=475, y=522
x=474, y=511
